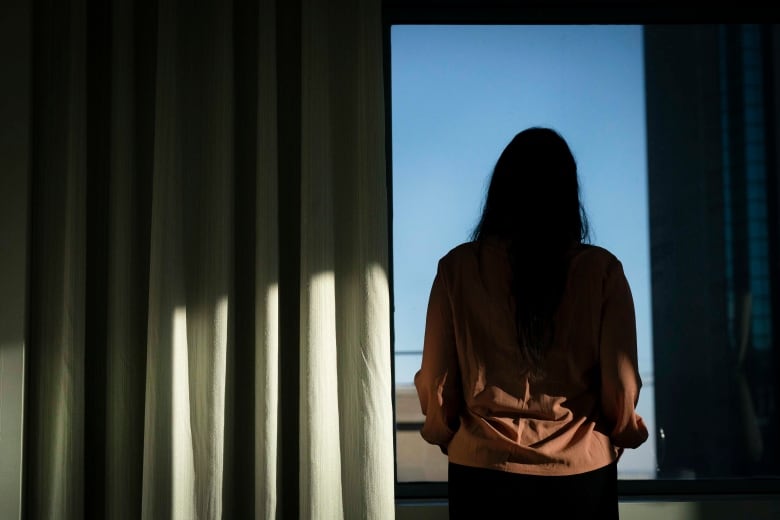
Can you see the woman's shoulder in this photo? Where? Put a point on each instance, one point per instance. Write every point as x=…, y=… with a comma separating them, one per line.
x=459, y=253
x=595, y=257
x=594, y=251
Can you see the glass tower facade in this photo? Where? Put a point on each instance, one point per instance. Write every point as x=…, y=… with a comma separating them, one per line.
x=712, y=199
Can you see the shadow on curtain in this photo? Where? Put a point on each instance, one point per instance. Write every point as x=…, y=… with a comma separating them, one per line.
x=208, y=322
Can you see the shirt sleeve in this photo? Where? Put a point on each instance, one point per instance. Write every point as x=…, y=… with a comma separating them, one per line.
x=620, y=380
x=438, y=380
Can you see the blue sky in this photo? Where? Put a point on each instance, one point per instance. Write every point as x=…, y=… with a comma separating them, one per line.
x=460, y=93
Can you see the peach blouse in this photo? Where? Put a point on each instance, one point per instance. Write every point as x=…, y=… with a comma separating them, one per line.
x=482, y=408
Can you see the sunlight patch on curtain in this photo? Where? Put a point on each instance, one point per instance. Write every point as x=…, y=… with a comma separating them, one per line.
x=183, y=465
x=379, y=373
x=319, y=413
x=218, y=404
x=267, y=407
x=12, y=370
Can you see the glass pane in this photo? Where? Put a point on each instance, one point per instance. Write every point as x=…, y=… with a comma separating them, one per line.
x=667, y=124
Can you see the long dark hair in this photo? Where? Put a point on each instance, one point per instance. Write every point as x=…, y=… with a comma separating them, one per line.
x=533, y=201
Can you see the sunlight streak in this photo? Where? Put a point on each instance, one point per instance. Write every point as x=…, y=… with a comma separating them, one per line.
x=267, y=407
x=218, y=405
x=183, y=466
x=320, y=429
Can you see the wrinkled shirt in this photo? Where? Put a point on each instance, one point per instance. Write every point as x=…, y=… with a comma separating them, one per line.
x=481, y=404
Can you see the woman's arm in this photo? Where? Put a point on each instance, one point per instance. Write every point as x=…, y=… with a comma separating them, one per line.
x=437, y=381
x=620, y=380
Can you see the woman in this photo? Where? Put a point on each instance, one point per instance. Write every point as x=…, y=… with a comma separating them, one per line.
x=529, y=379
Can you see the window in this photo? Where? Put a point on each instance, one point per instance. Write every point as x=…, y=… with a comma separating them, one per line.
x=674, y=140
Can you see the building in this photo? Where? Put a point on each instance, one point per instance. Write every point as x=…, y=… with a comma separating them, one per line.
x=713, y=200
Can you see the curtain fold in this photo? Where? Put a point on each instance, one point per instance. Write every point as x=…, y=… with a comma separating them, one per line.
x=344, y=301
x=266, y=488
x=164, y=149
x=131, y=130
x=54, y=429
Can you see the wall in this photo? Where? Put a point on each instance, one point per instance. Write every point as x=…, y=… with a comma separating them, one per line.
x=753, y=508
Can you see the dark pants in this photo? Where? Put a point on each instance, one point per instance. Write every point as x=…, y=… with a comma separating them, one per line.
x=487, y=493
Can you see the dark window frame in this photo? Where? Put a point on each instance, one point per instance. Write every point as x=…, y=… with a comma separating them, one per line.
x=471, y=12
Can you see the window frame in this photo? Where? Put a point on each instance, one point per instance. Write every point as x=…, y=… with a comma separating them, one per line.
x=473, y=12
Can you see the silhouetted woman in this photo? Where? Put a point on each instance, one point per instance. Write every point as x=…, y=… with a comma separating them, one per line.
x=529, y=379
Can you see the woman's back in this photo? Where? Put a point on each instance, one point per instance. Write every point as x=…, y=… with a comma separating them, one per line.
x=558, y=422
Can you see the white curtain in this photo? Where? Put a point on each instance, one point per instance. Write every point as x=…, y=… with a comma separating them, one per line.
x=208, y=301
